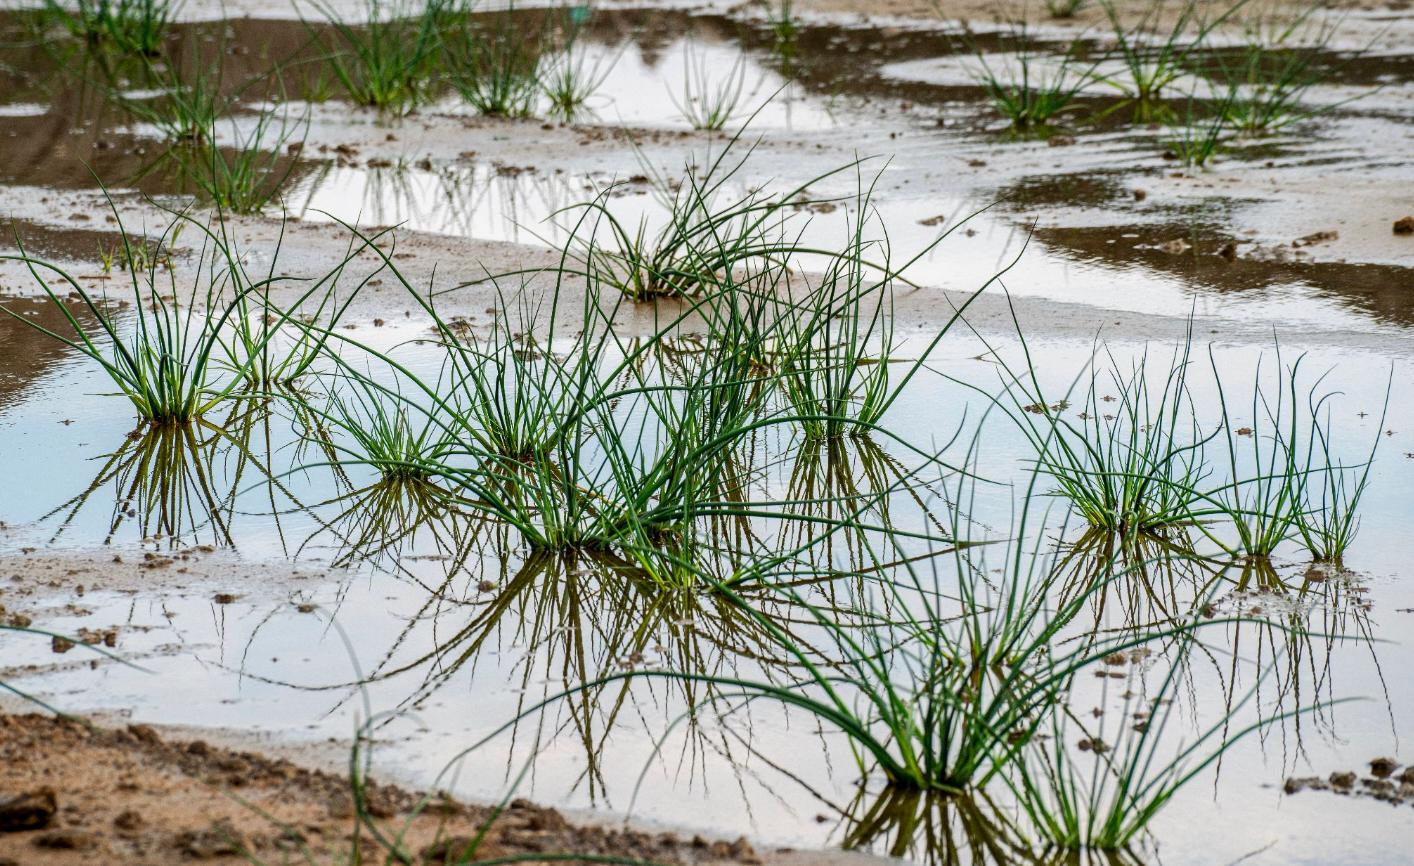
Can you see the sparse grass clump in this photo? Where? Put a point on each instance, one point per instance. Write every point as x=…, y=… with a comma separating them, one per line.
x=389, y=62
x=497, y=65
x=1155, y=52
x=835, y=364
x=387, y=436
x=707, y=102
x=1032, y=91
x=1331, y=488
x=186, y=108
x=176, y=352
x=266, y=346
x=1105, y=798
x=569, y=79
x=1132, y=459
x=137, y=27
x=164, y=365
x=1271, y=74
x=1198, y=137
x=248, y=173
x=1269, y=473
x=709, y=230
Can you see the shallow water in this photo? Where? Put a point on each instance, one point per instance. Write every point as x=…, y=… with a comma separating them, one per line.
x=464, y=627
x=415, y=628
x=928, y=151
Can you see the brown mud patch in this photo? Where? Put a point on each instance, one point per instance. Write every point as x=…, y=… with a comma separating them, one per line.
x=73, y=793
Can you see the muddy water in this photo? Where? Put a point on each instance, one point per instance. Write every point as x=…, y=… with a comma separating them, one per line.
x=466, y=628
x=926, y=134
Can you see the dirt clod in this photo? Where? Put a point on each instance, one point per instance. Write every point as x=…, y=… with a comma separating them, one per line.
x=65, y=840
x=128, y=822
x=32, y=811
x=221, y=839
x=1316, y=238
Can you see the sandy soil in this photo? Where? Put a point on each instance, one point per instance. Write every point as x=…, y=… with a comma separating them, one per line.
x=75, y=793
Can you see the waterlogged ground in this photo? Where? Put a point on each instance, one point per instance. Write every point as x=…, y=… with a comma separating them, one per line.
x=262, y=592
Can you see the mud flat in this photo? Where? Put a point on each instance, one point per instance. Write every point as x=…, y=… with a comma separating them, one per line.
x=555, y=610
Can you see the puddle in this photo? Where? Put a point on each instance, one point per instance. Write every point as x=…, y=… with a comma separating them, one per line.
x=462, y=625
x=409, y=601
x=841, y=89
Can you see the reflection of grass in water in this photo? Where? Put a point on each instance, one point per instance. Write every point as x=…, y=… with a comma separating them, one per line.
x=1166, y=581
x=179, y=484
x=628, y=472
x=935, y=698
x=935, y=829
x=390, y=517
x=574, y=618
x=1126, y=771
x=846, y=486
x=1163, y=577
x=1277, y=635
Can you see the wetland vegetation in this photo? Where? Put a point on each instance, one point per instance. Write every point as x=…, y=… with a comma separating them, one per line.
x=734, y=466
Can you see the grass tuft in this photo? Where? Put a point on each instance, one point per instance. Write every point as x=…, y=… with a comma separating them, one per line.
x=389, y=60
x=706, y=101
x=1029, y=96
x=137, y=27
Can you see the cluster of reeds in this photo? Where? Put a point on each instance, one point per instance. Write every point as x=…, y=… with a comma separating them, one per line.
x=1268, y=78
x=1138, y=460
x=387, y=58
x=400, y=55
x=137, y=27
x=945, y=667
x=176, y=352
x=233, y=143
x=1032, y=90
x=1255, y=90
